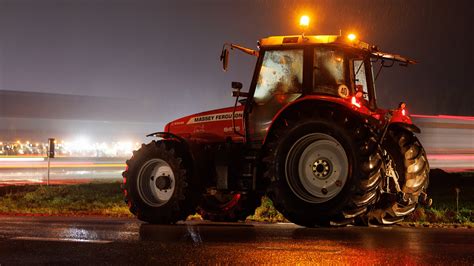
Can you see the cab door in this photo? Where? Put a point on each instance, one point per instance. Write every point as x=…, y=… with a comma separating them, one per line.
x=278, y=80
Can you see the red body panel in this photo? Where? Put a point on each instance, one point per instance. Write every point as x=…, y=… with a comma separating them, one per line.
x=401, y=116
x=216, y=125
x=398, y=116
x=211, y=126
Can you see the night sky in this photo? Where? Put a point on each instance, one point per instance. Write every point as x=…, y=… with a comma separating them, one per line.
x=165, y=54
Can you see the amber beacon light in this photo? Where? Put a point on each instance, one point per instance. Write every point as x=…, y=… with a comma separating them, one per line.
x=304, y=21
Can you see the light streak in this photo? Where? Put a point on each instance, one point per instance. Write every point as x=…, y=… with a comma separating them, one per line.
x=463, y=118
x=22, y=159
x=69, y=165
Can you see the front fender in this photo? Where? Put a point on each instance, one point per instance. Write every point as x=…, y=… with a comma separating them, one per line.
x=165, y=135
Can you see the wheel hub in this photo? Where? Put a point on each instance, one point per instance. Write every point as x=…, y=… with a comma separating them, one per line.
x=163, y=182
x=156, y=182
x=321, y=168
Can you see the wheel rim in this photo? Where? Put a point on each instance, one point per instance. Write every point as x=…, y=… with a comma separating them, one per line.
x=316, y=168
x=156, y=182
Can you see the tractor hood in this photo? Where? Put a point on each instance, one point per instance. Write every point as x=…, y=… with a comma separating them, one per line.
x=210, y=126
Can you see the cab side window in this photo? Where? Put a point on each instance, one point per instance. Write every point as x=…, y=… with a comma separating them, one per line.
x=361, y=78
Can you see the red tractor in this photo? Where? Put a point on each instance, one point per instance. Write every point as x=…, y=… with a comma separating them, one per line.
x=308, y=133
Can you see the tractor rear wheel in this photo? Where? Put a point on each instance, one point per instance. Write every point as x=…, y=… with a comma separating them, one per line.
x=406, y=162
x=228, y=207
x=324, y=169
x=155, y=184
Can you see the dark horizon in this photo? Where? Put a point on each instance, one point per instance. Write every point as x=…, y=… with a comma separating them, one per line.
x=35, y=122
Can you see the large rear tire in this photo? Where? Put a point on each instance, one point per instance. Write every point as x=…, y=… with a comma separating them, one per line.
x=407, y=158
x=155, y=184
x=324, y=169
x=228, y=207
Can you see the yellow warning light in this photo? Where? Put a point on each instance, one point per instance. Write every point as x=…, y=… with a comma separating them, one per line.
x=304, y=21
x=351, y=37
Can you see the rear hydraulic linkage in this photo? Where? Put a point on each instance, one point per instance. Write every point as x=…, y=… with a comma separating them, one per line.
x=392, y=175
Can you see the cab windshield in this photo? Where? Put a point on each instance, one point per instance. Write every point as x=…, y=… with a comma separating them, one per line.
x=329, y=71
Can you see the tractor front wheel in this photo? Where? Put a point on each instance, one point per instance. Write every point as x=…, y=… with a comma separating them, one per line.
x=156, y=184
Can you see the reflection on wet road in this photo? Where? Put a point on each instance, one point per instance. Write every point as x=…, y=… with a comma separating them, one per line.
x=127, y=241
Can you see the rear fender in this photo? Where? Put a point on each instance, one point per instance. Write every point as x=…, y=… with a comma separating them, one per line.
x=401, y=119
x=308, y=103
x=406, y=126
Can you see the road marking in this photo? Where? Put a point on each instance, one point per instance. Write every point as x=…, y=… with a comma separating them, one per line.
x=61, y=239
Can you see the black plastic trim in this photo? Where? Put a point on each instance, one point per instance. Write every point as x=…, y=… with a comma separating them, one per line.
x=165, y=135
x=409, y=127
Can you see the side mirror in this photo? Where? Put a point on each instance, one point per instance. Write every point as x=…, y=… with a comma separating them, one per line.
x=225, y=58
x=236, y=85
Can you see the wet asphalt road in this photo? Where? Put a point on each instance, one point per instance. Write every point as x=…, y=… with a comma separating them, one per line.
x=85, y=241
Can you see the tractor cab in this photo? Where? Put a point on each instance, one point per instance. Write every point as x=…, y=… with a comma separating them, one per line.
x=292, y=68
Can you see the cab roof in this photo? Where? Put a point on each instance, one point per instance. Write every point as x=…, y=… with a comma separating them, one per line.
x=295, y=40
x=311, y=39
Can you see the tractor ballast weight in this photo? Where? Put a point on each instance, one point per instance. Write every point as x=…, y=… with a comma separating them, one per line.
x=308, y=134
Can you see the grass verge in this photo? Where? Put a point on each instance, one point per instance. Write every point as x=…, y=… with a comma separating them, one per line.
x=84, y=199
x=106, y=199
x=444, y=188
